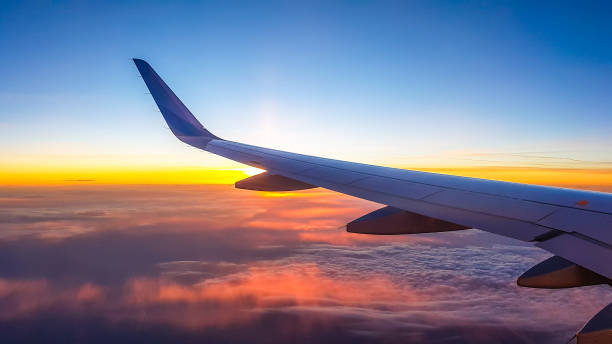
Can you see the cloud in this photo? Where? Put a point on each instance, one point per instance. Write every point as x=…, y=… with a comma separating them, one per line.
x=289, y=296
x=215, y=264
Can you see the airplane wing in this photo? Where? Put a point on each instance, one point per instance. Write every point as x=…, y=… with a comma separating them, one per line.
x=574, y=225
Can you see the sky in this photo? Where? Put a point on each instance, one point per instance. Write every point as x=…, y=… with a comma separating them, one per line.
x=112, y=230
x=403, y=84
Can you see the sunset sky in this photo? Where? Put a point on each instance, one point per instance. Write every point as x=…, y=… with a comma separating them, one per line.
x=112, y=230
x=423, y=85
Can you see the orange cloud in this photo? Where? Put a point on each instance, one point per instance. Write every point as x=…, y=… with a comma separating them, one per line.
x=219, y=301
x=267, y=286
x=238, y=297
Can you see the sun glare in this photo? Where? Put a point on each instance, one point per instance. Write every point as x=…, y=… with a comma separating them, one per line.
x=251, y=171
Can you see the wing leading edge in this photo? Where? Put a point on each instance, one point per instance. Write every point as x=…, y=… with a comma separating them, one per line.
x=573, y=224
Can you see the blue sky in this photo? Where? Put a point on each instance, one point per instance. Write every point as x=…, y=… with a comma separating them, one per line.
x=384, y=82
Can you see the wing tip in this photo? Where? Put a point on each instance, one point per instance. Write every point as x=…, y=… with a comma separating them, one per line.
x=140, y=62
x=178, y=117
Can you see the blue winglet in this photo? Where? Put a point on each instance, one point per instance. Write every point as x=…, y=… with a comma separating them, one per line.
x=180, y=120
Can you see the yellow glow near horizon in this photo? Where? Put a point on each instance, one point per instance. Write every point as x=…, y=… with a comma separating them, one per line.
x=594, y=179
x=142, y=175
x=251, y=171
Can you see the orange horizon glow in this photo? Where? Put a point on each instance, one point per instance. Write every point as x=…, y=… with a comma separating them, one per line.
x=132, y=175
x=582, y=178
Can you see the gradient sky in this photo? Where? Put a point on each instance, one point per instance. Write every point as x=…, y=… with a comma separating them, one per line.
x=403, y=84
x=514, y=91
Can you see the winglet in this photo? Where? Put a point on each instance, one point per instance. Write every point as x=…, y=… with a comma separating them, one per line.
x=180, y=120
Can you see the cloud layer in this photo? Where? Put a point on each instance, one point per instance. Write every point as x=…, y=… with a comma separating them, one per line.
x=194, y=263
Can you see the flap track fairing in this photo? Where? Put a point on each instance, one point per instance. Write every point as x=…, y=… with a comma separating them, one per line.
x=556, y=272
x=390, y=221
x=271, y=182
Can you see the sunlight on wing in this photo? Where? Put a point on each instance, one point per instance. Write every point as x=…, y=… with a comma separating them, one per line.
x=251, y=171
